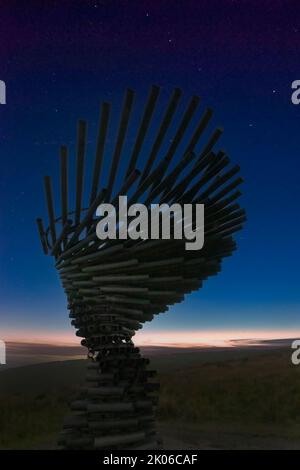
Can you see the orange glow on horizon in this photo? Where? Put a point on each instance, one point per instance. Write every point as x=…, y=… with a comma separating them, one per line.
x=184, y=339
x=211, y=338
x=59, y=338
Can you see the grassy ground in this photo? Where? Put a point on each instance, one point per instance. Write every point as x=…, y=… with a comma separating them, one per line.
x=233, y=401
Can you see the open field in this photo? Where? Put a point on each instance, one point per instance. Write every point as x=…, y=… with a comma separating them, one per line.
x=231, y=398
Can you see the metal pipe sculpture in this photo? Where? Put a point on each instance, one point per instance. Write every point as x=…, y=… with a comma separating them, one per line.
x=113, y=287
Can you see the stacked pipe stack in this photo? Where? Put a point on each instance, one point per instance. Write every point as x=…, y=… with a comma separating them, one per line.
x=114, y=286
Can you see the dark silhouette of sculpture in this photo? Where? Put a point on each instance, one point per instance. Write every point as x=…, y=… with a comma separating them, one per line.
x=113, y=287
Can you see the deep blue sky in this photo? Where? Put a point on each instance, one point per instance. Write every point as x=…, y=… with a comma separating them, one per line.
x=60, y=61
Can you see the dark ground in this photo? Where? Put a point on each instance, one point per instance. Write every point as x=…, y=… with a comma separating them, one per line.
x=210, y=399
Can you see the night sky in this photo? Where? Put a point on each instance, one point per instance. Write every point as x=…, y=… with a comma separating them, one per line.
x=60, y=61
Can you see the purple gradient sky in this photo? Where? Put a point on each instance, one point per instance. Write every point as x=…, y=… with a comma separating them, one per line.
x=61, y=59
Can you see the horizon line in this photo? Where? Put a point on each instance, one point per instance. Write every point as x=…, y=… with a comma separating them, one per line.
x=169, y=338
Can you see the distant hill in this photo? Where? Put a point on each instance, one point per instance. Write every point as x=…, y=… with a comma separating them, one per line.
x=22, y=353
x=57, y=375
x=41, y=378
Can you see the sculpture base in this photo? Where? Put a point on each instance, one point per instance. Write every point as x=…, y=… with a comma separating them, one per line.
x=116, y=409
